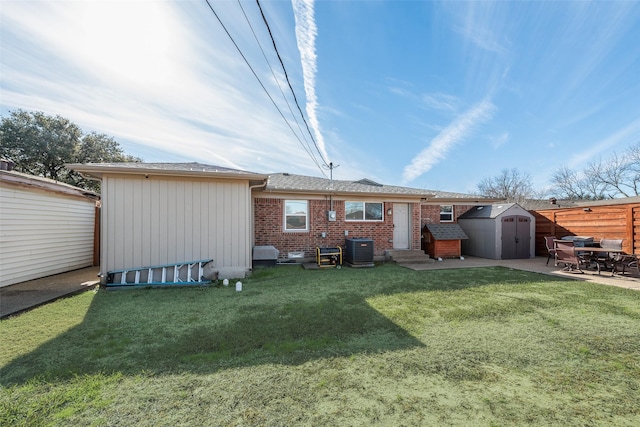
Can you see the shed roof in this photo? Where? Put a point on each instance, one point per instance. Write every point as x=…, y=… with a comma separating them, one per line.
x=488, y=211
x=446, y=232
x=176, y=169
x=37, y=182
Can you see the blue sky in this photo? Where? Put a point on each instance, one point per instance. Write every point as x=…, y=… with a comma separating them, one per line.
x=433, y=95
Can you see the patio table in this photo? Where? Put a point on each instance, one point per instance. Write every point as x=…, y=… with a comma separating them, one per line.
x=590, y=254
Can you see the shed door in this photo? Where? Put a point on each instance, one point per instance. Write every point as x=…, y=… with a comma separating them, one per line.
x=400, y=226
x=516, y=237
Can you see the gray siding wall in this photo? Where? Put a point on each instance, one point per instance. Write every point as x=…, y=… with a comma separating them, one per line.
x=43, y=233
x=157, y=221
x=482, y=241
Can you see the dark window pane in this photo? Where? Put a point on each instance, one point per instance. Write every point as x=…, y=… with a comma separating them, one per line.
x=354, y=210
x=373, y=211
x=296, y=223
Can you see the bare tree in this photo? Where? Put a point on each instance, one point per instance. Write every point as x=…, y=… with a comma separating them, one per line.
x=633, y=154
x=615, y=177
x=567, y=184
x=511, y=185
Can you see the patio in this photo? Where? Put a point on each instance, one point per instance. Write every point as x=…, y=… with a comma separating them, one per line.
x=537, y=265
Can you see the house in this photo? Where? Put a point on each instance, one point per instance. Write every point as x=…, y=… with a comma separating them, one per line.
x=499, y=231
x=167, y=213
x=47, y=227
x=297, y=214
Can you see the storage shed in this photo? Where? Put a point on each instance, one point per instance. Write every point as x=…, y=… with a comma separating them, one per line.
x=443, y=240
x=501, y=231
x=170, y=213
x=47, y=227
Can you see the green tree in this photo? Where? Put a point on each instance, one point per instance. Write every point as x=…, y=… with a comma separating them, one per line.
x=41, y=145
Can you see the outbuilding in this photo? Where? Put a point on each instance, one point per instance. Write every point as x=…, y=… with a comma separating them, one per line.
x=500, y=231
x=48, y=227
x=443, y=240
x=172, y=213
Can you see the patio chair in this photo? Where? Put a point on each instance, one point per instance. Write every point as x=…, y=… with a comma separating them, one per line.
x=551, y=250
x=605, y=259
x=627, y=261
x=565, y=254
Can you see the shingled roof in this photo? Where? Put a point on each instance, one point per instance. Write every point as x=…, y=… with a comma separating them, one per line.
x=446, y=232
x=185, y=169
x=309, y=184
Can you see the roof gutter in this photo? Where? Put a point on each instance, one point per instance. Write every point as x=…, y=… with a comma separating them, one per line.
x=99, y=171
x=347, y=193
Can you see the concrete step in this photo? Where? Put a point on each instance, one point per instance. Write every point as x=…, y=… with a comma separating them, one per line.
x=409, y=257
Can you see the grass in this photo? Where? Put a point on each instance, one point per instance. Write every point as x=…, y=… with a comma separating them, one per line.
x=385, y=346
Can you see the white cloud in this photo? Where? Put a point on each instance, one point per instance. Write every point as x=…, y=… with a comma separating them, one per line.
x=160, y=77
x=479, y=22
x=628, y=134
x=453, y=134
x=440, y=101
x=306, y=32
x=500, y=140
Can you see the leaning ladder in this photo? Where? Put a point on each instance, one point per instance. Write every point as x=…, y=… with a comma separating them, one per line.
x=161, y=275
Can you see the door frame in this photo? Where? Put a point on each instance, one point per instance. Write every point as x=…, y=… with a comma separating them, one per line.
x=398, y=217
x=521, y=243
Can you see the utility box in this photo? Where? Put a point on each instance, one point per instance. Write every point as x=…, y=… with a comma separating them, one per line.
x=358, y=251
x=265, y=256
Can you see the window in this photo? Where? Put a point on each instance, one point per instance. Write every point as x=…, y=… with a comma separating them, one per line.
x=296, y=216
x=446, y=213
x=363, y=211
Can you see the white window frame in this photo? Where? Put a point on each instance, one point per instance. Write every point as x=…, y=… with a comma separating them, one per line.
x=364, y=210
x=446, y=213
x=305, y=215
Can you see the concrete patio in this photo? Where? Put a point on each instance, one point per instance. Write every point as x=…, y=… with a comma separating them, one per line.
x=537, y=265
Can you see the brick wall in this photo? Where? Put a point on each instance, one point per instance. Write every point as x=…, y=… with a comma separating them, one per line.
x=431, y=213
x=269, y=218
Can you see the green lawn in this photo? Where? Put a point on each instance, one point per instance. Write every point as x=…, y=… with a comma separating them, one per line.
x=354, y=347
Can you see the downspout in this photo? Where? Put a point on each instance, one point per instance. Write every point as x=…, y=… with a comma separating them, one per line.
x=251, y=210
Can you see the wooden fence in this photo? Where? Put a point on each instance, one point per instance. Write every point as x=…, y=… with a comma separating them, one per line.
x=614, y=221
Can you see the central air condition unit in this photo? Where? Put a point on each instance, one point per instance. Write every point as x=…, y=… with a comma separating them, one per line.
x=359, y=252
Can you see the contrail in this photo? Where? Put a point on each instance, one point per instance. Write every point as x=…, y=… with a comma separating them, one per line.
x=458, y=130
x=306, y=32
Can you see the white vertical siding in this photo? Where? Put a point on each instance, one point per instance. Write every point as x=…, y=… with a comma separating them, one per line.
x=159, y=221
x=43, y=233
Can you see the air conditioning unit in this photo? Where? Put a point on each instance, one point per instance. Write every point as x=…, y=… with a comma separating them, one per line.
x=358, y=251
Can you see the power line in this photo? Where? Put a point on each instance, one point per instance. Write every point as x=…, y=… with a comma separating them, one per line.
x=264, y=18
x=261, y=84
x=277, y=80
